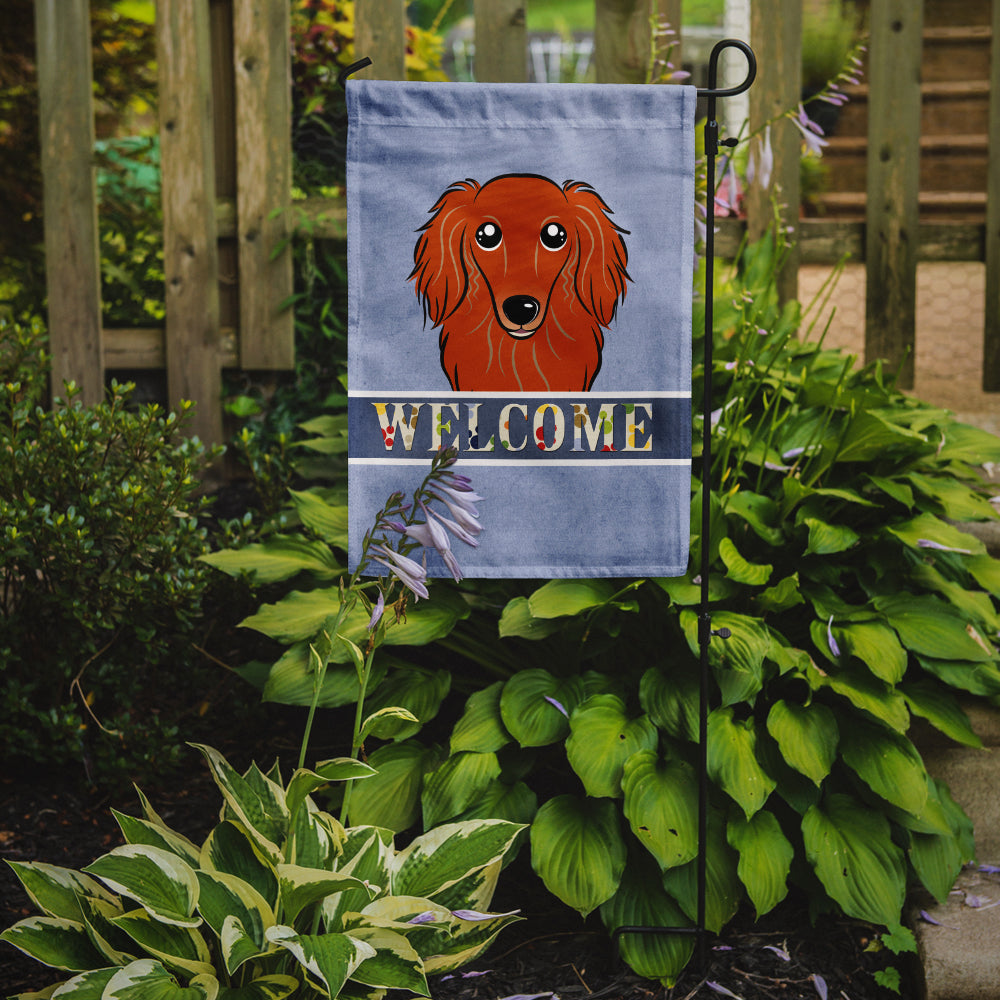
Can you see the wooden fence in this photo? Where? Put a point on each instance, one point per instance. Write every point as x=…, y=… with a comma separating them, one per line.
x=226, y=161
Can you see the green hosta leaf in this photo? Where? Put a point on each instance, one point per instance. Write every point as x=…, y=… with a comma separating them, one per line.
x=330, y=959
x=481, y=728
x=807, y=736
x=159, y=881
x=56, y=891
x=682, y=590
x=641, y=901
x=530, y=706
x=291, y=680
x=225, y=897
x=54, y=941
x=850, y=847
x=279, y=558
x=327, y=520
x=888, y=763
x=304, y=782
x=456, y=784
x=758, y=511
x=965, y=443
x=893, y=488
x=86, y=986
x=876, y=646
x=671, y=699
x=976, y=605
x=941, y=709
x=928, y=528
x=301, y=887
x=147, y=979
x=827, y=539
x=275, y=987
x=739, y=569
x=865, y=692
x=418, y=690
x=986, y=571
x=98, y=916
x=517, y=620
x=932, y=628
x=441, y=857
x=180, y=948
x=391, y=798
x=783, y=595
x=723, y=889
x=366, y=855
x=937, y=859
x=315, y=839
x=869, y=436
x=976, y=678
x=395, y=964
x=578, y=851
x=515, y=803
x=558, y=598
x=765, y=858
x=602, y=738
x=957, y=501
x=141, y=831
x=738, y=661
x=732, y=760
x=230, y=849
x=661, y=799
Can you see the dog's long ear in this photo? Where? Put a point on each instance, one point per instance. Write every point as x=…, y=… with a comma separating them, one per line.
x=603, y=257
x=438, y=258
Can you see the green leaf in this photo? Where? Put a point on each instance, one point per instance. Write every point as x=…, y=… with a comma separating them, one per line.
x=927, y=527
x=54, y=941
x=279, y=558
x=876, y=646
x=671, y=699
x=327, y=520
x=739, y=569
x=765, y=858
x=304, y=782
x=330, y=959
x=141, y=831
x=956, y=500
x=558, y=598
x=661, y=799
x=932, y=628
x=601, y=739
x=941, y=709
x=888, y=763
x=850, y=848
x=292, y=680
x=965, y=443
x=275, y=987
x=301, y=887
x=732, y=760
x=181, y=948
x=738, y=662
x=456, y=785
x=516, y=803
x=869, y=436
x=937, y=859
x=386, y=722
x=517, y=620
x=828, y=539
x=976, y=678
x=147, y=979
x=986, y=571
x=225, y=897
x=760, y=512
x=395, y=964
x=56, y=891
x=527, y=709
x=578, y=851
x=481, y=727
x=86, y=986
x=783, y=595
x=391, y=798
x=163, y=884
x=417, y=690
x=807, y=736
x=866, y=692
x=230, y=849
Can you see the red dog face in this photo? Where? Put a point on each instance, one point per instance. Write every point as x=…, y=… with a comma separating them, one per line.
x=521, y=275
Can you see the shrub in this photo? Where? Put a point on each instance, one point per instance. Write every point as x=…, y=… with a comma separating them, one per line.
x=99, y=539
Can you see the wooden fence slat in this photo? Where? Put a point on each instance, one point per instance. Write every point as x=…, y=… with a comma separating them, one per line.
x=776, y=36
x=262, y=61
x=72, y=256
x=190, y=253
x=893, y=184
x=380, y=34
x=621, y=40
x=501, y=41
x=991, y=332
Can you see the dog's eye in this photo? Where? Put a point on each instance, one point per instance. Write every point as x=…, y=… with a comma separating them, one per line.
x=488, y=236
x=553, y=236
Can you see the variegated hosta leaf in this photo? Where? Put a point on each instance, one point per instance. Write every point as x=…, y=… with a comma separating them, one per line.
x=732, y=760
x=481, y=727
x=86, y=986
x=225, y=897
x=256, y=801
x=54, y=941
x=300, y=887
x=765, y=858
x=367, y=853
x=98, y=915
x=466, y=941
x=230, y=849
x=476, y=890
x=441, y=857
x=578, y=851
x=661, y=799
x=395, y=964
x=329, y=959
x=888, y=763
x=147, y=979
x=177, y=947
x=141, y=831
x=274, y=987
x=304, y=782
x=642, y=902
x=535, y=706
x=158, y=880
x=315, y=838
x=807, y=736
x=850, y=847
x=456, y=784
x=602, y=737
x=56, y=891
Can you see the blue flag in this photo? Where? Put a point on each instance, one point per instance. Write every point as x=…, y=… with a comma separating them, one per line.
x=520, y=261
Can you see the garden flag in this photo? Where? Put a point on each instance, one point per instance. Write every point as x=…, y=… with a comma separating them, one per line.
x=520, y=262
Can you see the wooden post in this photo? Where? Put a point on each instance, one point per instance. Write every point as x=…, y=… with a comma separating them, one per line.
x=261, y=42
x=501, y=41
x=893, y=183
x=380, y=34
x=190, y=254
x=776, y=35
x=669, y=11
x=72, y=256
x=991, y=333
x=622, y=40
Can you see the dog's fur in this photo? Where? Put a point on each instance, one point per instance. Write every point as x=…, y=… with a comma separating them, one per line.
x=522, y=315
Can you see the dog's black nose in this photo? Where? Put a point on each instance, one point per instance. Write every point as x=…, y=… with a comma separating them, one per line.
x=520, y=309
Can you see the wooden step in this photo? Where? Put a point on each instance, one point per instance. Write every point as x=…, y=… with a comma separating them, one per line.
x=956, y=53
x=957, y=206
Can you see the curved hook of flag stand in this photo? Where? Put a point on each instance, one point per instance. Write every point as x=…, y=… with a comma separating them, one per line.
x=705, y=631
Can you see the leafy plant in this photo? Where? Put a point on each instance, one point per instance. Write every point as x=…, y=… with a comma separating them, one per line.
x=279, y=899
x=99, y=539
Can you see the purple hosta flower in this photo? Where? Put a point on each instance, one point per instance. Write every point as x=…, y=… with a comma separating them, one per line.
x=834, y=648
x=820, y=983
x=760, y=166
x=438, y=540
x=811, y=132
x=457, y=530
x=465, y=975
x=728, y=195
x=411, y=574
x=377, y=611
x=465, y=514
x=928, y=543
x=427, y=917
x=475, y=915
x=719, y=988
x=927, y=918
x=780, y=952
x=989, y=869
x=558, y=705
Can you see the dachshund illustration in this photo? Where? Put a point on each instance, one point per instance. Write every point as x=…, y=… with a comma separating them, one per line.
x=522, y=276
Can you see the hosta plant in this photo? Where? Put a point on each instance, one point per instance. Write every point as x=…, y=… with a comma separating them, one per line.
x=279, y=900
